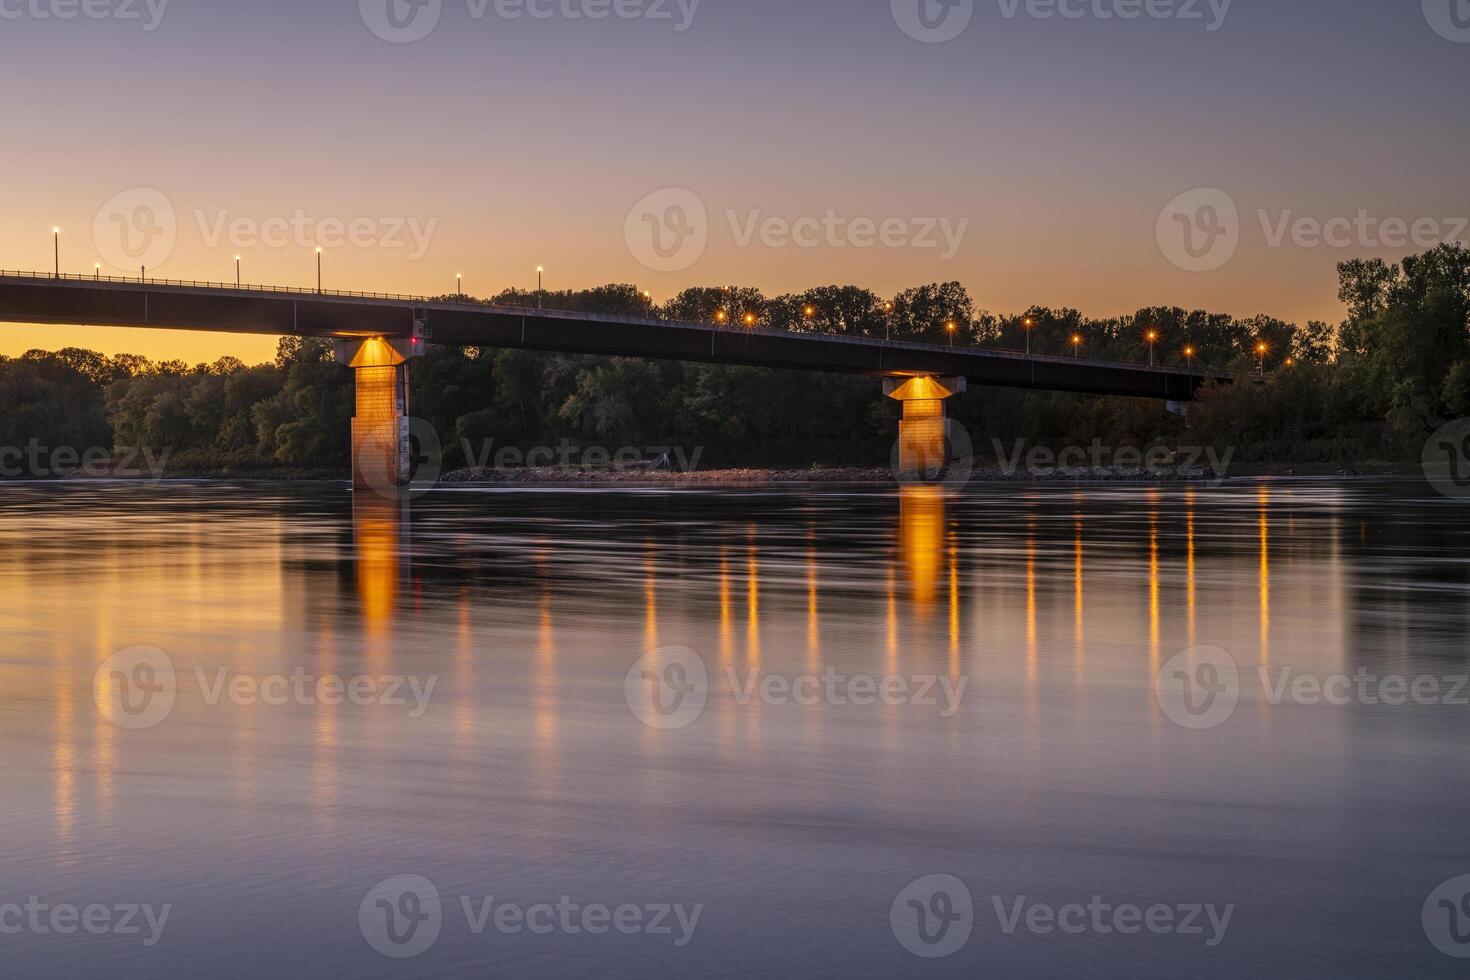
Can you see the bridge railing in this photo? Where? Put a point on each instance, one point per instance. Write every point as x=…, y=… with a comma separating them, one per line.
x=201, y=284
x=481, y=307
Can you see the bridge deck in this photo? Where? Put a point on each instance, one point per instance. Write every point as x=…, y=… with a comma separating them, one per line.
x=83, y=301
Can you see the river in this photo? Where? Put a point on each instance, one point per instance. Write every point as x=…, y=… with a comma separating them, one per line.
x=825, y=732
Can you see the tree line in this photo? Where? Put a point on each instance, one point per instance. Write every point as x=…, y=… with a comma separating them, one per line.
x=1368, y=388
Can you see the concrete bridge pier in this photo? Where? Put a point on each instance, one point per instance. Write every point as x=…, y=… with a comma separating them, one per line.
x=923, y=443
x=380, y=429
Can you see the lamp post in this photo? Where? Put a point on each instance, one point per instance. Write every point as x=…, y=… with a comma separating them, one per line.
x=237, y=272
x=56, y=249
x=97, y=270
x=319, y=269
x=1153, y=338
x=1077, y=345
x=1261, y=351
x=950, y=329
x=1189, y=355
x=540, y=272
x=1027, y=325
x=887, y=322
x=459, y=284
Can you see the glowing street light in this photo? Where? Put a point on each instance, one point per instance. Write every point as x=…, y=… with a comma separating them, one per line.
x=887, y=322
x=750, y=319
x=809, y=312
x=720, y=316
x=237, y=272
x=1189, y=354
x=950, y=326
x=1262, y=349
x=318, y=269
x=56, y=245
x=1077, y=345
x=97, y=270
x=1028, y=324
x=459, y=284
x=1153, y=338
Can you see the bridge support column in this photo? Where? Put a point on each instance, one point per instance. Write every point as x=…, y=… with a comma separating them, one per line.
x=923, y=444
x=380, y=433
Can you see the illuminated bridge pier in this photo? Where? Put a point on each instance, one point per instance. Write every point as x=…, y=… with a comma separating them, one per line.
x=380, y=427
x=379, y=334
x=923, y=434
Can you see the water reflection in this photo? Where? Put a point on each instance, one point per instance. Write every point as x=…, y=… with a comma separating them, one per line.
x=381, y=534
x=528, y=766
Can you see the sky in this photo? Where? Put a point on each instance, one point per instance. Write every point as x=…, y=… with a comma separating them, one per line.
x=1203, y=153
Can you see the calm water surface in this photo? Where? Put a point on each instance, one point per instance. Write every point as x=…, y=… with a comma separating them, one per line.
x=527, y=776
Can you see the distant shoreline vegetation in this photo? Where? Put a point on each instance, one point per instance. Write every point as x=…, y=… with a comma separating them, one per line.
x=1366, y=391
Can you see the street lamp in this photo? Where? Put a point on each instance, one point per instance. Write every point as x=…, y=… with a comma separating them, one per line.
x=1189, y=354
x=97, y=270
x=750, y=319
x=237, y=272
x=1153, y=338
x=1077, y=345
x=459, y=284
x=540, y=272
x=56, y=247
x=1028, y=324
x=720, y=316
x=950, y=326
x=887, y=321
x=1262, y=349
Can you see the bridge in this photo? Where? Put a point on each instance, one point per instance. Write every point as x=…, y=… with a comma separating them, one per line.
x=377, y=334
